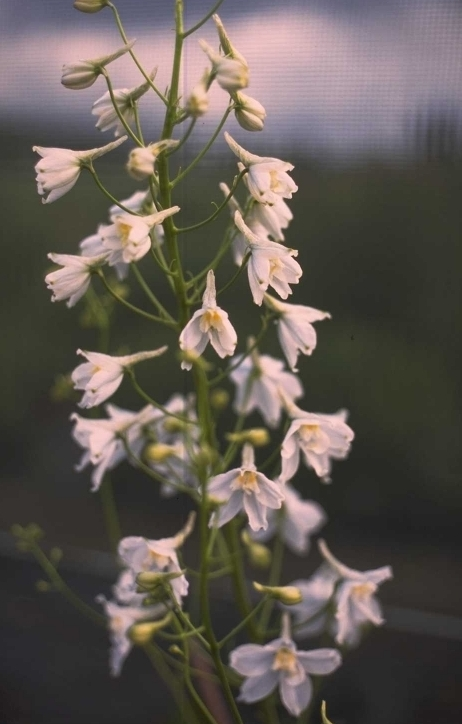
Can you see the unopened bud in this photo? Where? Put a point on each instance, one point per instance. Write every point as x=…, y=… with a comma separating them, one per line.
x=150, y=580
x=189, y=358
x=141, y=633
x=55, y=555
x=231, y=74
x=198, y=101
x=158, y=452
x=225, y=42
x=288, y=595
x=256, y=436
x=249, y=113
x=219, y=399
x=175, y=650
x=42, y=586
x=259, y=554
x=205, y=456
x=141, y=161
x=173, y=424
x=90, y=6
x=83, y=74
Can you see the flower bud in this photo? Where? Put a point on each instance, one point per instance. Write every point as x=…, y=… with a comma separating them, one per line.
x=84, y=73
x=288, y=595
x=175, y=650
x=90, y=6
x=325, y=720
x=231, y=74
x=150, y=580
x=158, y=452
x=259, y=555
x=42, y=586
x=198, y=101
x=141, y=633
x=249, y=113
x=219, y=399
x=173, y=424
x=141, y=161
x=257, y=436
x=225, y=42
x=206, y=456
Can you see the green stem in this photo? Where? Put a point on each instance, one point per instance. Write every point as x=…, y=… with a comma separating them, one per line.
x=273, y=580
x=168, y=319
x=239, y=578
x=184, y=139
x=243, y=623
x=217, y=210
x=204, y=20
x=152, y=402
x=202, y=153
x=235, y=275
x=64, y=589
x=123, y=301
x=157, y=476
x=134, y=58
x=155, y=655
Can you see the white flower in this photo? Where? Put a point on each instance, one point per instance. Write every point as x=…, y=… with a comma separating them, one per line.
x=102, y=374
x=280, y=664
x=84, y=73
x=59, y=168
x=141, y=161
x=103, y=440
x=244, y=489
x=198, y=101
x=141, y=555
x=231, y=73
x=299, y=519
x=72, y=281
x=208, y=324
x=267, y=178
x=121, y=619
x=249, y=113
x=295, y=329
x=354, y=597
x=228, y=48
x=258, y=379
x=270, y=264
x=311, y=613
x=240, y=245
x=272, y=218
x=128, y=238
x=125, y=99
x=321, y=438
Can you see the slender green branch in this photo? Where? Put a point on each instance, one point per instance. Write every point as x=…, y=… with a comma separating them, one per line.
x=156, y=656
x=236, y=274
x=168, y=319
x=120, y=116
x=203, y=21
x=218, y=208
x=108, y=194
x=202, y=153
x=110, y=513
x=273, y=580
x=242, y=624
x=238, y=575
x=215, y=380
x=135, y=59
x=63, y=588
x=139, y=130
x=184, y=139
x=137, y=310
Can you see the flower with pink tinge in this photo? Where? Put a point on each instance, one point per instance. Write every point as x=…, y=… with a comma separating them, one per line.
x=244, y=489
x=279, y=664
x=72, y=281
x=128, y=238
x=208, y=324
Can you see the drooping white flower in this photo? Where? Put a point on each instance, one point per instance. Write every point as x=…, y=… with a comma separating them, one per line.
x=273, y=219
x=258, y=379
x=231, y=73
x=125, y=99
x=354, y=597
x=160, y=556
x=84, y=73
x=267, y=178
x=295, y=328
x=208, y=324
x=311, y=614
x=240, y=245
x=249, y=113
x=197, y=102
x=128, y=238
x=101, y=376
x=59, y=168
x=299, y=519
x=103, y=439
x=141, y=161
x=72, y=281
x=270, y=264
x=280, y=664
x=245, y=489
x=321, y=438
x=120, y=620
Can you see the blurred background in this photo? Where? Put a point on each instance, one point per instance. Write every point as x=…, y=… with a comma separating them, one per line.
x=364, y=97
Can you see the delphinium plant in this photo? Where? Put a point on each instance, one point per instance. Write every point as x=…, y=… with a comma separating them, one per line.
x=245, y=509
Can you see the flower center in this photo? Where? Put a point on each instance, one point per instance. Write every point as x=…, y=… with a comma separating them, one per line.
x=309, y=432
x=247, y=481
x=156, y=559
x=124, y=232
x=363, y=591
x=285, y=660
x=210, y=318
x=275, y=266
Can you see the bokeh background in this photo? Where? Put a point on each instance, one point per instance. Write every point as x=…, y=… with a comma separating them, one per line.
x=364, y=97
